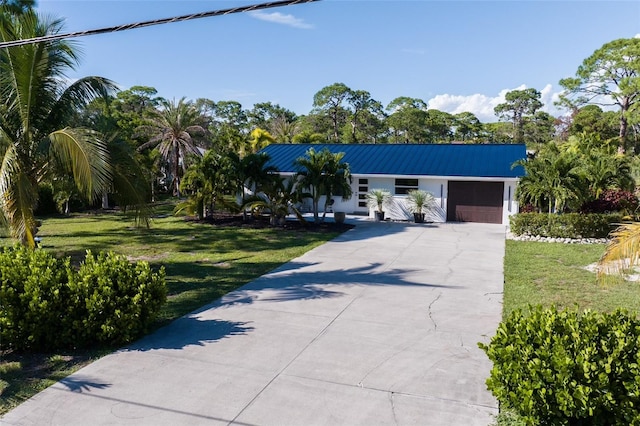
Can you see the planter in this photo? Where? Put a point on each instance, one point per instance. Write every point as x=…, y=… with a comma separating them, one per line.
x=379, y=216
x=418, y=217
x=339, y=217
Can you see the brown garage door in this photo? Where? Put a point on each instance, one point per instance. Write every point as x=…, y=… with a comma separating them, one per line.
x=475, y=202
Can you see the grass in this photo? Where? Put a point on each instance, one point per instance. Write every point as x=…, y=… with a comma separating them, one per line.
x=202, y=263
x=554, y=274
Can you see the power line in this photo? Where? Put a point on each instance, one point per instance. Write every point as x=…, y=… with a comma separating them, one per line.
x=117, y=28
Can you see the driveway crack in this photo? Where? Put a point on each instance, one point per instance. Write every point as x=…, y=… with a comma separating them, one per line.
x=435, y=325
x=393, y=408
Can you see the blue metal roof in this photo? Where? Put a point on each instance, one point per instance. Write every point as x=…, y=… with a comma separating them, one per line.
x=485, y=160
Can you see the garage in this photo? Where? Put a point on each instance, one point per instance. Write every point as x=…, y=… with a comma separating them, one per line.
x=473, y=201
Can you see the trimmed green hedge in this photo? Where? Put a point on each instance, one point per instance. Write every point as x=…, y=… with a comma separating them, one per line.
x=567, y=225
x=567, y=368
x=46, y=304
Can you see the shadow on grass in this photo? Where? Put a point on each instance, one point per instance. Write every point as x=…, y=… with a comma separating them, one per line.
x=184, y=237
x=190, y=331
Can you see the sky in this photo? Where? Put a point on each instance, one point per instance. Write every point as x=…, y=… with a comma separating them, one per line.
x=455, y=55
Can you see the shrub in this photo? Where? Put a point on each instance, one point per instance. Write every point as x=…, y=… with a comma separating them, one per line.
x=567, y=368
x=612, y=200
x=46, y=304
x=118, y=300
x=33, y=298
x=568, y=225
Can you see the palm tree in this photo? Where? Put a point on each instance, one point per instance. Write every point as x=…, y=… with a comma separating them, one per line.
x=551, y=180
x=17, y=7
x=35, y=110
x=337, y=179
x=259, y=139
x=249, y=172
x=173, y=130
x=283, y=130
x=323, y=173
x=419, y=203
x=279, y=197
x=207, y=182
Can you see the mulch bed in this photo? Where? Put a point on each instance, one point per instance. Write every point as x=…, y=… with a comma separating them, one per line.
x=258, y=222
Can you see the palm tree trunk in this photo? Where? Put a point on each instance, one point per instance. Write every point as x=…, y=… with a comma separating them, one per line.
x=176, y=171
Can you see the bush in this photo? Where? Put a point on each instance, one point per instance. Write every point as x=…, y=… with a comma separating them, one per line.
x=612, y=200
x=33, y=298
x=118, y=300
x=567, y=368
x=46, y=304
x=568, y=225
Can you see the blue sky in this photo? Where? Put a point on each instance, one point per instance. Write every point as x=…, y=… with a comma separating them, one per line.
x=455, y=55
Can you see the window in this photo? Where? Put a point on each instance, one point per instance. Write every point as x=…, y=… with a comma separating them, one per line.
x=363, y=181
x=403, y=186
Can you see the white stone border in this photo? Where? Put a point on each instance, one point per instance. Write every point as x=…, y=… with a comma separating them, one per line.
x=538, y=238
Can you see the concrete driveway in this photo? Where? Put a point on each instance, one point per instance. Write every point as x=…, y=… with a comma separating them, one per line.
x=377, y=327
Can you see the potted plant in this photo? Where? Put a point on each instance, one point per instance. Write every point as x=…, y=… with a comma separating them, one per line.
x=419, y=202
x=378, y=199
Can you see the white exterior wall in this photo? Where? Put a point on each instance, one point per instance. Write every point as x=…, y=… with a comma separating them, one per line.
x=437, y=186
x=510, y=206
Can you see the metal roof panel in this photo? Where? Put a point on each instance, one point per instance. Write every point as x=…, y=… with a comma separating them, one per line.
x=481, y=160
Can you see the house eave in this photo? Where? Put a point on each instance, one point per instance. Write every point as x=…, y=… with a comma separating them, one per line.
x=462, y=178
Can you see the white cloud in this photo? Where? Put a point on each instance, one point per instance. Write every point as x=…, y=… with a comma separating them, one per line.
x=637, y=36
x=281, y=18
x=482, y=105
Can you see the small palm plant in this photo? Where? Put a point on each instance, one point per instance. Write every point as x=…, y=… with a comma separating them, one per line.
x=378, y=199
x=420, y=202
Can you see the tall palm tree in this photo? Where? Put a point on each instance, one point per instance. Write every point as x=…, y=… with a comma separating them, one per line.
x=173, y=130
x=35, y=109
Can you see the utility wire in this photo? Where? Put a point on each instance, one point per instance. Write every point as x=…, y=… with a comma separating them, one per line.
x=221, y=12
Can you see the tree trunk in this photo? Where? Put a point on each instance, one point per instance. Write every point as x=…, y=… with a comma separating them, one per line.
x=105, y=201
x=176, y=171
x=623, y=132
x=316, y=219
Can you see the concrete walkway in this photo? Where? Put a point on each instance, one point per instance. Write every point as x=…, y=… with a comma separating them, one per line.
x=377, y=327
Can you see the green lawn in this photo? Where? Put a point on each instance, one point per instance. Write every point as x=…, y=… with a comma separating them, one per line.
x=202, y=263
x=553, y=273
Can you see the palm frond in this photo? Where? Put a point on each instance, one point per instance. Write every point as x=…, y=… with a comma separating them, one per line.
x=130, y=185
x=85, y=155
x=19, y=196
x=622, y=252
x=78, y=95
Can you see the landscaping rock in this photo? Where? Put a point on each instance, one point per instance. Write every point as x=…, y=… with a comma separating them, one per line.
x=539, y=238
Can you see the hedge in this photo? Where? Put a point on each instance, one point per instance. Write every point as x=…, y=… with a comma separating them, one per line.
x=567, y=225
x=47, y=304
x=567, y=368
